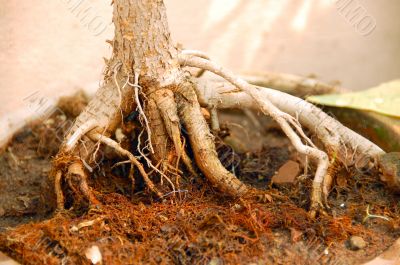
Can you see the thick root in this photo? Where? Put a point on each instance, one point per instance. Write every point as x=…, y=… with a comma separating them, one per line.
x=159, y=136
x=103, y=113
x=76, y=173
x=75, y=176
x=166, y=104
x=203, y=145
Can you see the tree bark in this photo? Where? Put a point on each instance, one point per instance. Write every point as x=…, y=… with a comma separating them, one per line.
x=142, y=41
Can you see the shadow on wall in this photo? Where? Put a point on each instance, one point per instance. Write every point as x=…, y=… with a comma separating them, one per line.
x=234, y=22
x=352, y=41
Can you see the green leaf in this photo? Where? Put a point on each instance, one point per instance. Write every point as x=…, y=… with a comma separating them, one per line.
x=384, y=99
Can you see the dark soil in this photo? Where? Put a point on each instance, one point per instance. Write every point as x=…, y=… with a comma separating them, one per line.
x=197, y=225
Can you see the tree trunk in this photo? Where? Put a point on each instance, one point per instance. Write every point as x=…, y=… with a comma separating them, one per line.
x=142, y=41
x=142, y=50
x=144, y=73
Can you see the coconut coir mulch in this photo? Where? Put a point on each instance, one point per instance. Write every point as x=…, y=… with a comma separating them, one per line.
x=197, y=225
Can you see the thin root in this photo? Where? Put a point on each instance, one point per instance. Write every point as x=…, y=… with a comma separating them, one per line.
x=58, y=190
x=113, y=144
x=150, y=164
x=140, y=109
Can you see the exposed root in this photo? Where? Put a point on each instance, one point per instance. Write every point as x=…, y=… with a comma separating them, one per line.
x=202, y=143
x=166, y=104
x=214, y=119
x=160, y=139
x=298, y=86
x=140, y=109
x=198, y=54
x=58, y=190
x=71, y=167
x=334, y=167
x=283, y=119
x=102, y=114
x=116, y=69
x=113, y=144
x=159, y=135
x=78, y=134
x=345, y=147
x=348, y=145
x=77, y=173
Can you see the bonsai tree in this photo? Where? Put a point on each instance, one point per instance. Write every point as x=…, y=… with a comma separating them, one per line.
x=146, y=75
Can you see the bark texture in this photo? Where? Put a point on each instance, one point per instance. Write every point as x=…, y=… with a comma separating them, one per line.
x=142, y=40
x=202, y=142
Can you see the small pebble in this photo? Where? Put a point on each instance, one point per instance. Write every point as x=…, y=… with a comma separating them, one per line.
x=62, y=117
x=166, y=228
x=238, y=207
x=215, y=261
x=181, y=213
x=119, y=135
x=356, y=243
x=287, y=173
x=94, y=255
x=163, y=218
x=295, y=235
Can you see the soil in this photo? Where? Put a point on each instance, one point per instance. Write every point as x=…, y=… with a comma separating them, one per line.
x=197, y=224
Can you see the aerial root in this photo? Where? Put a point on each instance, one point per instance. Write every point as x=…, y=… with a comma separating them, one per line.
x=285, y=121
x=113, y=144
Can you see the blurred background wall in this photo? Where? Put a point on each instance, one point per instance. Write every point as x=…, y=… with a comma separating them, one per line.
x=54, y=47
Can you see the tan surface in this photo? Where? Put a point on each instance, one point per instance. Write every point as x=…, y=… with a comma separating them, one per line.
x=46, y=47
x=4, y=260
x=389, y=257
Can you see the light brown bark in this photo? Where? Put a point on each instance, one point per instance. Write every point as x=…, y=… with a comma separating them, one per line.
x=142, y=40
